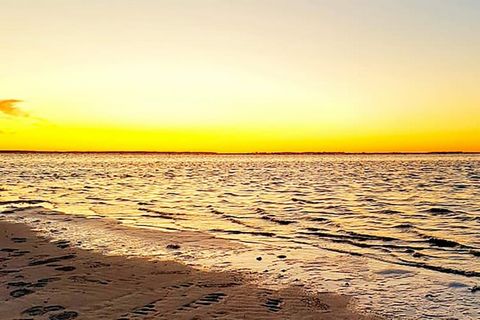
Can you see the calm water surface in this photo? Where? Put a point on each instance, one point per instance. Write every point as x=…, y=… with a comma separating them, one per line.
x=400, y=232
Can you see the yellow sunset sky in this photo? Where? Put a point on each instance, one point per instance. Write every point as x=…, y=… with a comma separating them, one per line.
x=240, y=76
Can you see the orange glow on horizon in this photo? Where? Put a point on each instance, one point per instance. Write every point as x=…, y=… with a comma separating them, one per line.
x=240, y=77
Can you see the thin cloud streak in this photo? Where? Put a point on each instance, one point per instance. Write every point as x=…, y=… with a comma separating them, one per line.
x=8, y=107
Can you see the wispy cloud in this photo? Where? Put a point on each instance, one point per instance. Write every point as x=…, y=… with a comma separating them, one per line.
x=9, y=107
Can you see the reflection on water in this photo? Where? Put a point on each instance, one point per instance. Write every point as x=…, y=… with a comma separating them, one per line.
x=402, y=232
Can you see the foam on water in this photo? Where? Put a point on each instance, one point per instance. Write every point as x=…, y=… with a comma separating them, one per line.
x=401, y=233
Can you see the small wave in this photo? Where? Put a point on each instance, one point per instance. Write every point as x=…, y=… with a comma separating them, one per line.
x=439, y=242
x=364, y=236
x=456, y=284
x=349, y=235
x=304, y=201
x=437, y=210
x=159, y=214
x=94, y=198
x=235, y=220
x=253, y=233
x=36, y=201
x=405, y=225
x=466, y=273
x=272, y=218
x=320, y=219
x=123, y=199
x=215, y=211
x=278, y=221
x=476, y=253
x=228, y=217
x=389, y=211
x=393, y=272
x=231, y=194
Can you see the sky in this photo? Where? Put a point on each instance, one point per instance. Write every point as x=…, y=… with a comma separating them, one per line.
x=240, y=76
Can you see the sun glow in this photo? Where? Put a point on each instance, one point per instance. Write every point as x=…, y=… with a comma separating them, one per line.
x=240, y=77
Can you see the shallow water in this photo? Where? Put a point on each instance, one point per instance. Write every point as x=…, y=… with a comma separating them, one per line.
x=399, y=232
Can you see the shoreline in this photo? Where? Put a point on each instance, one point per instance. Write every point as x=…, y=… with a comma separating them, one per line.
x=56, y=280
x=260, y=153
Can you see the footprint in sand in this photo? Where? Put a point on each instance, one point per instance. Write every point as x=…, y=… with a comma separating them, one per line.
x=97, y=264
x=86, y=279
x=18, y=284
x=40, y=310
x=65, y=268
x=183, y=285
x=39, y=284
x=51, y=260
x=67, y=315
x=146, y=310
x=62, y=244
x=273, y=304
x=20, y=292
x=149, y=310
x=205, y=301
x=19, y=253
x=24, y=291
x=43, y=282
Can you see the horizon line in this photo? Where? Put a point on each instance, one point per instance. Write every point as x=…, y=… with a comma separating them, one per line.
x=247, y=153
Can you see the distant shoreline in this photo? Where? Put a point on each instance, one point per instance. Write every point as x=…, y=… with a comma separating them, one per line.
x=240, y=153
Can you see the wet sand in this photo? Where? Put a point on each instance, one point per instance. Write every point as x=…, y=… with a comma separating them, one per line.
x=41, y=279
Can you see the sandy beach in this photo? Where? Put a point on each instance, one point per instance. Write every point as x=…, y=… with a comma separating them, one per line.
x=42, y=279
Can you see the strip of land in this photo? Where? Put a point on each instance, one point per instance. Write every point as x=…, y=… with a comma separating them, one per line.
x=287, y=153
x=41, y=279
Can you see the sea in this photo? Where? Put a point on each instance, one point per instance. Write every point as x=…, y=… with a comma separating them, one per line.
x=399, y=233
